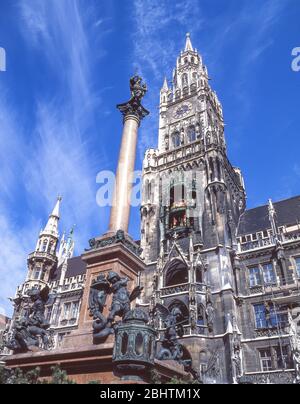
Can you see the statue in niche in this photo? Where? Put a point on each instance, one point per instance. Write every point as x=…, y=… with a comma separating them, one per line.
x=171, y=349
x=210, y=315
x=173, y=320
x=30, y=330
x=101, y=287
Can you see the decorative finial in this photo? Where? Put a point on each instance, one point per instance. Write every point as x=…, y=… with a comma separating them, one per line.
x=188, y=43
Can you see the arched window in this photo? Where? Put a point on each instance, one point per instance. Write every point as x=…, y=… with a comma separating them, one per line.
x=176, y=139
x=184, y=80
x=191, y=132
x=199, y=275
x=37, y=272
x=176, y=273
x=200, y=315
x=44, y=246
x=182, y=307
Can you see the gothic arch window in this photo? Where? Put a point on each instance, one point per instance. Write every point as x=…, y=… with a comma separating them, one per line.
x=192, y=59
x=211, y=169
x=183, y=308
x=191, y=132
x=37, y=272
x=50, y=247
x=199, y=275
x=219, y=170
x=184, y=80
x=186, y=60
x=195, y=76
x=176, y=273
x=200, y=315
x=176, y=139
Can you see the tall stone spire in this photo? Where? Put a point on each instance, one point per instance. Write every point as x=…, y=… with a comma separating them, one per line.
x=188, y=43
x=52, y=224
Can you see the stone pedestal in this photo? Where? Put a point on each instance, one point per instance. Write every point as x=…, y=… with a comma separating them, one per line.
x=111, y=252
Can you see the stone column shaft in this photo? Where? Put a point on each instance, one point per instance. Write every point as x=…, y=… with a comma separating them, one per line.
x=120, y=211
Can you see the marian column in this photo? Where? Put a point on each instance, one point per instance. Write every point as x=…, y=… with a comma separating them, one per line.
x=133, y=112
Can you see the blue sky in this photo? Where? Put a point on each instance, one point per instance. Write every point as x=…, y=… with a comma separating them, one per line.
x=68, y=64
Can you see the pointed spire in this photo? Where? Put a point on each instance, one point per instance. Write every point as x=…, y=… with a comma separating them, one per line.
x=165, y=86
x=188, y=43
x=55, y=211
x=52, y=224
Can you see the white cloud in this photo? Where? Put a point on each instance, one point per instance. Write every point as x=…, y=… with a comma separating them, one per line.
x=56, y=158
x=158, y=27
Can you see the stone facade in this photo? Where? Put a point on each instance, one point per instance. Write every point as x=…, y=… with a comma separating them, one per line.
x=233, y=273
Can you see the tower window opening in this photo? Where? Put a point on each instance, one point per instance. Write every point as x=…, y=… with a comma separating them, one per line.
x=199, y=275
x=37, y=273
x=178, y=196
x=184, y=80
x=176, y=139
x=200, y=315
x=191, y=134
x=178, y=219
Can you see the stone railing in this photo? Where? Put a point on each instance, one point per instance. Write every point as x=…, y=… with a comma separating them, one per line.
x=251, y=245
x=172, y=290
x=273, y=377
x=271, y=332
x=174, y=155
x=182, y=288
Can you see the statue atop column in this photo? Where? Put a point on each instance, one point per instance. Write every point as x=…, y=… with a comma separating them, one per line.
x=134, y=107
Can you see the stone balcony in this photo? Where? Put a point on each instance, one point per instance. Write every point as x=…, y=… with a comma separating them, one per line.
x=271, y=377
x=182, y=288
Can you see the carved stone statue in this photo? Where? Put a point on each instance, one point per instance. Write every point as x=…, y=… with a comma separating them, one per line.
x=100, y=288
x=210, y=315
x=31, y=329
x=97, y=299
x=121, y=297
x=170, y=347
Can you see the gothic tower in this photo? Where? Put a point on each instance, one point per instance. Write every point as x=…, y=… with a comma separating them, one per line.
x=44, y=258
x=192, y=200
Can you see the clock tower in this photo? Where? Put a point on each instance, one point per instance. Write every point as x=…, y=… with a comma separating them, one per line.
x=191, y=203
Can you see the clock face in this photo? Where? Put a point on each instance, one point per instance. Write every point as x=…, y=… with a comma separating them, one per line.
x=183, y=110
